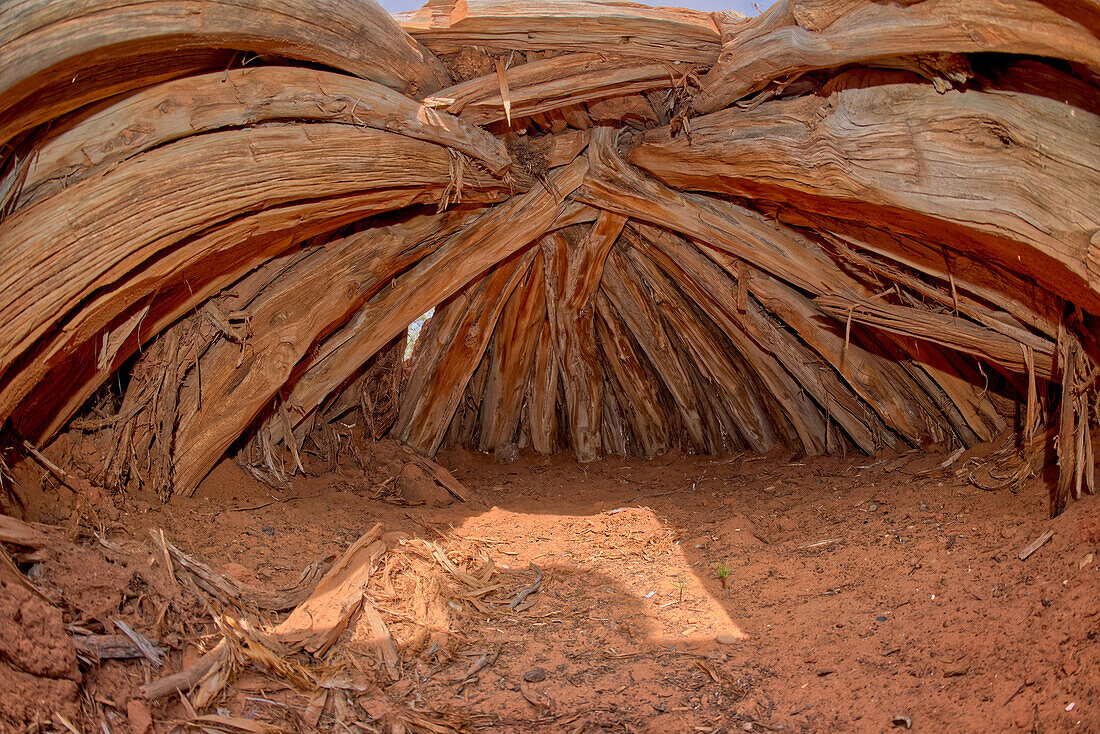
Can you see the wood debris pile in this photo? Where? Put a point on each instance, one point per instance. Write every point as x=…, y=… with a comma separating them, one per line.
x=837, y=226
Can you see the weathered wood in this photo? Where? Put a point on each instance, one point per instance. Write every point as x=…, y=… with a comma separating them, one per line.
x=551, y=84
x=234, y=382
x=944, y=329
x=632, y=378
x=882, y=384
x=514, y=343
x=607, y=26
x=542, y=395
x=998, y=174
x=21, y=533
x=614, y=185
x=495, y=235
x=574, y=266
x=449, y=356
x=638, y=311
x=114, y=221
x=47, y=44
x=789, y=371
x=73, y=364
x=713, y=358
x=85, y=143
x=796, y=36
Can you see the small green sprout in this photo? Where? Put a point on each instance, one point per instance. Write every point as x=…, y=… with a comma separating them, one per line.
x=679, y=583
x=723, y=573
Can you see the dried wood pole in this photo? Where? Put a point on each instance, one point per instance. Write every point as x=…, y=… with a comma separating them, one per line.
x=836, y=226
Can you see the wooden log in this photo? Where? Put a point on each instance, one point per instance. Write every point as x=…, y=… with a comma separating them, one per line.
x=614, y=433
x=551, y=84
x=73, y=363
x=946, y=330
x=796, y=36
x=614, y=185
x=235, y=382
x=574, y=266
x=881, y=383
x=998, y=174
x=542, y=395
x=83, y=144
x=632, y=378
x=638, y=311
x=734, y=389
x=495, y=235
x=46, y=44
x=965, y=283
x=176, y=191
x=17, y=532
x=448, y=360
x=790, y=372
x=599, y=26
x=514, y=344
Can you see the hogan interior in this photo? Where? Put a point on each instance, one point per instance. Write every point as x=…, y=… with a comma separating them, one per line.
x=549, y=366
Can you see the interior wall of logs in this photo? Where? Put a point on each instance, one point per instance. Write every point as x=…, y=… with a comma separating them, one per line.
x=835, y=227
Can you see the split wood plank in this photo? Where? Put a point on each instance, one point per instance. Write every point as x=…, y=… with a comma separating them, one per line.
x=513, y=350
x=573, y=267
x=598, y=26
x=315, y=624
x=449, y=357
x=542, y=395
x=550, y=84
x=944, y=329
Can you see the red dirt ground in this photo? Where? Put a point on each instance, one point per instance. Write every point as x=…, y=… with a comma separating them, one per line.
x=858, y=592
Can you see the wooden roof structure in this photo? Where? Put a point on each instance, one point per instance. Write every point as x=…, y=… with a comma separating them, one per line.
x=840, y=225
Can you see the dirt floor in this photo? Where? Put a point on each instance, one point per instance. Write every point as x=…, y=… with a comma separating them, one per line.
x=860, y=596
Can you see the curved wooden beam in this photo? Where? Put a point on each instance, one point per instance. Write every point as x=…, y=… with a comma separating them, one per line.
x=998, y=174
x=796, y=36
x=47, y=44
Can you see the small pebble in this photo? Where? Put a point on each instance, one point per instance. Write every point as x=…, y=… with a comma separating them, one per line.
x=268, y=530
x=535, y=675
x=726, y=638
x=880, y=618
x=607, y=590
